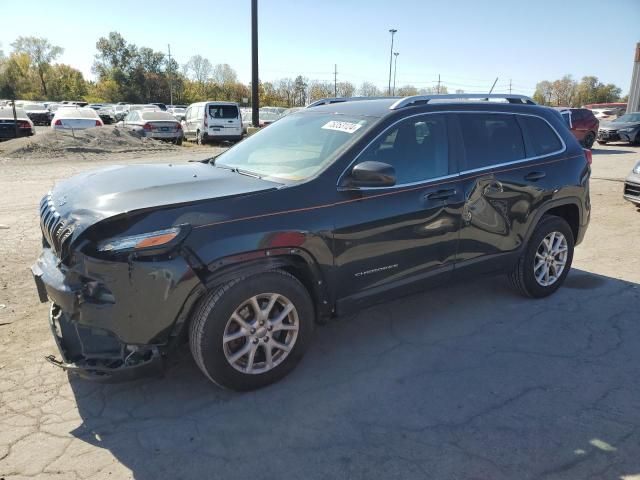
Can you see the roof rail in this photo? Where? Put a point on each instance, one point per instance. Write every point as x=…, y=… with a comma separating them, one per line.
x=423, y=99
x=329, y=101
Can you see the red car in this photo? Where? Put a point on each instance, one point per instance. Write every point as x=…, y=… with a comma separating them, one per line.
x=583, y=124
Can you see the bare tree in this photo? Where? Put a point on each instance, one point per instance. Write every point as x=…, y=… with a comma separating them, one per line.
x=318, y=90
x=223, y=74
x=346, y=89
x=41, y=52
x=198, y=68
x=368, y=89
x=407, y=91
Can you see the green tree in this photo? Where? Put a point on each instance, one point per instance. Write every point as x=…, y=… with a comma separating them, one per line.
x=42, y=54
x=300, y=91
x=66, y=83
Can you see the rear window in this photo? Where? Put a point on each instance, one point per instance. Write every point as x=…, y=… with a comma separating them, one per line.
x=490, y=139
x=223, y=111
x=77, y=113
x=157, y=116
x=543, y=138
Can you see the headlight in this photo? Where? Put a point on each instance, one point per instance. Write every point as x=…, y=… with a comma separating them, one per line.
x=636, y=169
x=139, y=242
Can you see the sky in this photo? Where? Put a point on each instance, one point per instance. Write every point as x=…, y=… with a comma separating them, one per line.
x=467, y=42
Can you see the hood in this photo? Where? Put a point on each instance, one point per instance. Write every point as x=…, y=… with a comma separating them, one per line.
x=88, y=198
x=619, y=125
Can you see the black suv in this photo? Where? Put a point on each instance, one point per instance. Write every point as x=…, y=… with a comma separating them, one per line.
x=326, y=211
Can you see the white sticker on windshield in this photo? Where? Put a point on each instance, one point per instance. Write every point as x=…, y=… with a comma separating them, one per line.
x=346, y=127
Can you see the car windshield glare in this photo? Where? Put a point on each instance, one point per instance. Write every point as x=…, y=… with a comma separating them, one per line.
x=295, y=147
x=630, y=117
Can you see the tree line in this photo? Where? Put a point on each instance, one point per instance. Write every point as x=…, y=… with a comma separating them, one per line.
x=126, y=72
x=567, y=92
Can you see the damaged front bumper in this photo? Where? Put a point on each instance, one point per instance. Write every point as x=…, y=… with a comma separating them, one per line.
x=99, y=338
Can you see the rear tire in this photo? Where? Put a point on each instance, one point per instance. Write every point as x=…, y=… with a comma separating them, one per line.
x=178, y=141
x=199, y=139
x=602, y=142
x=589, y=139
x=528, y=275
x=250, y=313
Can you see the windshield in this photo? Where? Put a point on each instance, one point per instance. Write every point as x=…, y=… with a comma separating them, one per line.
x=295, y=147
x=629, y=117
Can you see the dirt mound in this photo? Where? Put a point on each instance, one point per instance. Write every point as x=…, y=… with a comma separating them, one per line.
x=61, y=143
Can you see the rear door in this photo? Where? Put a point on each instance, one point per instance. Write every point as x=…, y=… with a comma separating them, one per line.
x=504, y=175
x=224, y=120
x=390, y=238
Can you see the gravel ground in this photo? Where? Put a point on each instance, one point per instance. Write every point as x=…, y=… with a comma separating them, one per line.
x=429, y=386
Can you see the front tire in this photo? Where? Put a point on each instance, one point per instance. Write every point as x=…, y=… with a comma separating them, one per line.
x=252, y=331
x=546, y=260
x=602, y=142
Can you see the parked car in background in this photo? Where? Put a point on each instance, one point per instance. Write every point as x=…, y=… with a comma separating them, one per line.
x=177, y=112
x=623, y=129
x=266, y=117
x=583, y=124
x=107, y=114
x=161, y=106
x=78, y=118
x=8, y=124
x=213, y=121
x=154, y=124
x=143, y=106
x=37, y=113
x=632, y=186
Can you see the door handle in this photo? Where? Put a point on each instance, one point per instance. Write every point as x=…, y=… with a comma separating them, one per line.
x=440, y=194
x=534, y=176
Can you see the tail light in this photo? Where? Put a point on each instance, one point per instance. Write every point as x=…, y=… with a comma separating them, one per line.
x=147, y=127
x=206, y=119
x=58, y=123
x=99, y=123
x=178, y=126
x=588, y=155
x=23, y=124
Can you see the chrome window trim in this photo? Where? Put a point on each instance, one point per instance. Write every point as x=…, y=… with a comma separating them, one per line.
x=452, y=175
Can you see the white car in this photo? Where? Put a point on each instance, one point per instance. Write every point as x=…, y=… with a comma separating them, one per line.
x=75, y=119
x=213, y=121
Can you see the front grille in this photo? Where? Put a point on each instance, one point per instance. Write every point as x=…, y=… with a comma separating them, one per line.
x=55, y=231
x=632, y=189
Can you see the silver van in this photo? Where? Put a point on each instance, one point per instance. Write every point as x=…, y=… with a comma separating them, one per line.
x=213, y=121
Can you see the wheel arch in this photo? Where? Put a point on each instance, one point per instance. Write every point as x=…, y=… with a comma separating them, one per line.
x=565, y=208
x=295, y=261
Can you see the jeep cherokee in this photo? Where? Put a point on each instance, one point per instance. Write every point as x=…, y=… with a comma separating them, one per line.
x=326, y=211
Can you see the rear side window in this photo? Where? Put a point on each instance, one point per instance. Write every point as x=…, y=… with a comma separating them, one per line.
x=417, y=148
x=542, y=137
x=490, y=139
x=223, y=111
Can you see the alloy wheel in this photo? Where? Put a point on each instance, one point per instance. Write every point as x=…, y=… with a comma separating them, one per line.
x=261, y=333
x=550, y=259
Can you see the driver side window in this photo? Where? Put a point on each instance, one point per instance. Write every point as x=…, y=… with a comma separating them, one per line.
x=417, y=148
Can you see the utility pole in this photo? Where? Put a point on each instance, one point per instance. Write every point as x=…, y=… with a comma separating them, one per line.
x=335, y=80
x=170, y=78
x=255, y=101
x=509, y=86
x=395, y=71
x=438, y=90
x=392, y=31
x=494, y=84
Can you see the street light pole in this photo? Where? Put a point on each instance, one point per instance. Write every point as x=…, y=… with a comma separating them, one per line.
x=255, y=79
x=392, y=31
x=395, y=71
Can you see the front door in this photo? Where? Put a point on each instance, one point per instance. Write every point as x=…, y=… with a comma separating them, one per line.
x=389, y=239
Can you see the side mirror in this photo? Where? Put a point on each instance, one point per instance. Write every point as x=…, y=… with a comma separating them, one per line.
x=372, y=174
